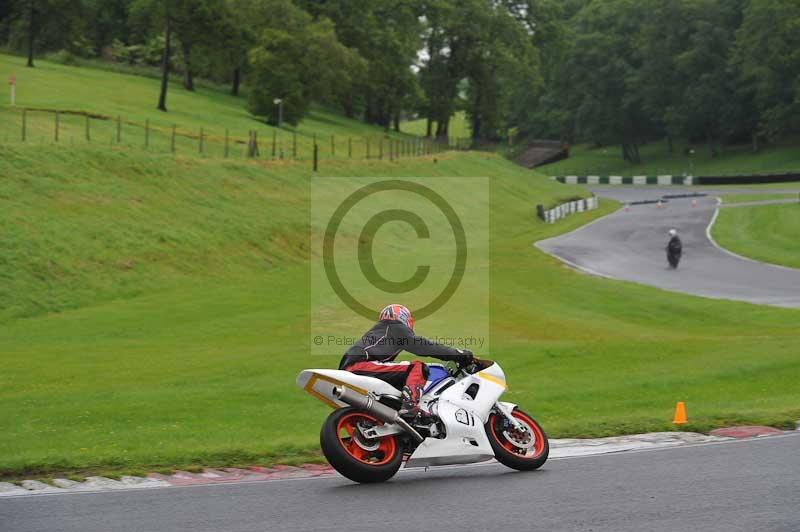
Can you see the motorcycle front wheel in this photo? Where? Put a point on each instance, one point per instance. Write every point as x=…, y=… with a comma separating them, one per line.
x=352, y=455
x=523, y=449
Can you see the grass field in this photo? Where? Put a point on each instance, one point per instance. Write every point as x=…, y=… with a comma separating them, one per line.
x=155, y=314
x=769, y=233
x=746, y=198
x=656, y=160
x=155, y=309
x=133, y=98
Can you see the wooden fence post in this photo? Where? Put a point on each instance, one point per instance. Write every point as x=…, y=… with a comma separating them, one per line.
x=88, y=134
x=316, y=155
x=200, y=144
x=24, y=123
x=274, y=142
x=57, y=119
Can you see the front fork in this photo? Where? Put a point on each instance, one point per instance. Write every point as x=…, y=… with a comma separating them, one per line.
x=505, y=410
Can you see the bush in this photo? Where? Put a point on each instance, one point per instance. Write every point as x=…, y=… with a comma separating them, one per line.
x=64, y=57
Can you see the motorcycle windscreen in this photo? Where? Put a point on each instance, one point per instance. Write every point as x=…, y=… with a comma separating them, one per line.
x=436, y=374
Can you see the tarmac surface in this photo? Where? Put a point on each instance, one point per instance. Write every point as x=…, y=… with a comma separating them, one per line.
x=629, y=244
x=735, y=485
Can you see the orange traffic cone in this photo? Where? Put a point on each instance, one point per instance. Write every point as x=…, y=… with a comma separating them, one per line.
x=680, y=413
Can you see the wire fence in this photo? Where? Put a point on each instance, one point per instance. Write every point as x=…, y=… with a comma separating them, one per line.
x=54, y=126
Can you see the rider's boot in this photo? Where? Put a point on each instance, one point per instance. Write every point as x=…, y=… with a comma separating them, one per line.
x=410, y=409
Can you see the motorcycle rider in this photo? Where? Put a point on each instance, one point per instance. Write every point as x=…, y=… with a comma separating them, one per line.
x=674, y=248
x=374, y=354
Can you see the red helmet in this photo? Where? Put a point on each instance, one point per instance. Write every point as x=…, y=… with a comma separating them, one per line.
x=399, y=313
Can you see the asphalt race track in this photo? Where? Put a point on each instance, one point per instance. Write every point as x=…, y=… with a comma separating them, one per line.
x=629, y=245
x=735, y=486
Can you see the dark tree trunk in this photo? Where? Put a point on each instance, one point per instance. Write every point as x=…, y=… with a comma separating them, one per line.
x=442, y=127
x=396, y=120
x=348, y=106
x=428, y=127
x=31, y=30
x=476, y=114
x=162, y=98
x=188, y=78
x=237, y=76
x=476, y=127
x=712, y=145
x=630, y=152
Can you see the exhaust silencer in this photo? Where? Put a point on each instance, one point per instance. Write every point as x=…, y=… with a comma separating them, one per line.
x=377, y=409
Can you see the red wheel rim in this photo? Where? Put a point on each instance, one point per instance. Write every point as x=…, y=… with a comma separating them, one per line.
x=374, y=453
x=501, y=438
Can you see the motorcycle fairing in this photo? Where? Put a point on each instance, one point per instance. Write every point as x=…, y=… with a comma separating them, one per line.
x=466, y=440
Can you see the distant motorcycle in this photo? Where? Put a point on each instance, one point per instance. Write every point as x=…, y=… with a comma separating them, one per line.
x=674, y=249
x=366, y=440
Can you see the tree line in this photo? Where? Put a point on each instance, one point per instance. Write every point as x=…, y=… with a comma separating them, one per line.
x=618, y=72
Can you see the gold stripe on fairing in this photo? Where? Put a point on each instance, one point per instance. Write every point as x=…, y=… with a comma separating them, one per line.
x=493, y=379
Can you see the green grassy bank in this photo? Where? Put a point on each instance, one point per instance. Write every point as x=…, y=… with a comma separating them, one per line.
x=154, y=312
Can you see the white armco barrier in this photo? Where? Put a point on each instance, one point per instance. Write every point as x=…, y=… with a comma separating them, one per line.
x=571, y=179
x=593, y=180
x=615, y=180
x=665, y=180
x=565, y=209
x=640, y=180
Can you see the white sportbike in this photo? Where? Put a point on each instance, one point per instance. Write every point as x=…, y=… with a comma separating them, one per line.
x=366, y=440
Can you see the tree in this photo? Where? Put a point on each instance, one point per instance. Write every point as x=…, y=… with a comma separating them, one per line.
x=299, y=61
x=45, y=24
x=104, y=21
x=600, y=73
x=386, y=34
x=766, y=61
x=195, y=22
x=502, y=68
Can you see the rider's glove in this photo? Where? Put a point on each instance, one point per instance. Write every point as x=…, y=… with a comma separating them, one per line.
x=465, y=357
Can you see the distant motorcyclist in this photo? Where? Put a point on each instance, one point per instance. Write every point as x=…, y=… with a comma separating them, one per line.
x=373, y=355
x=674, y=248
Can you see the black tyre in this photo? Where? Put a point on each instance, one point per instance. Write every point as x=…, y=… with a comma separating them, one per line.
x=354, y=457
x=524, y=450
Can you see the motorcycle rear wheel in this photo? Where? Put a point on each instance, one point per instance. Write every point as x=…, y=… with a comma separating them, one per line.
x=521, y=450
x=354, y=457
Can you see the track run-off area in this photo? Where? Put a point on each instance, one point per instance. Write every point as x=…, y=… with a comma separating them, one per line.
x=629, y=245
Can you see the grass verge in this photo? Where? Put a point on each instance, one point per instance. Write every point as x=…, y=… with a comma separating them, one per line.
x=746, y=198
x=768, y=233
